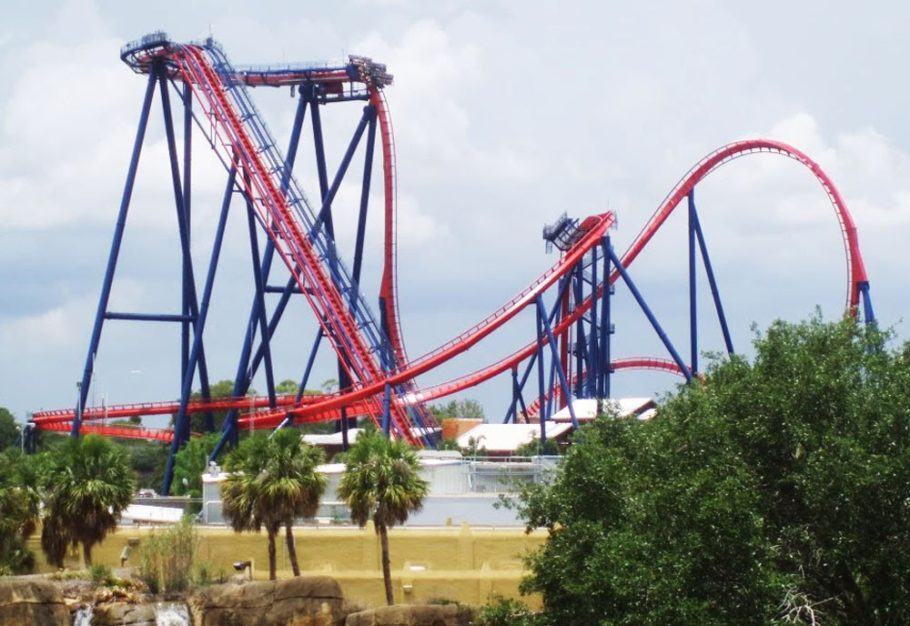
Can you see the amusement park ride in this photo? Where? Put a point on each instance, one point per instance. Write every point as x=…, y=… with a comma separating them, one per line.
x=569, y=352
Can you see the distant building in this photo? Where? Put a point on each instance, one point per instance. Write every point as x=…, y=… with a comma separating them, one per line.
x=506, y=439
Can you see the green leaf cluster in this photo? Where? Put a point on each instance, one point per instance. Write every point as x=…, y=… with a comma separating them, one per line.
x=776, y=490
x=19, y=510
x=381, y=481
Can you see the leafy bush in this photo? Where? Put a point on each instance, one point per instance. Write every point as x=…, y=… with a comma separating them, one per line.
x=536, y=448
x=167, y=558
x=500, y=611
x=205, y=574
x=19, y=502
x=101, y=574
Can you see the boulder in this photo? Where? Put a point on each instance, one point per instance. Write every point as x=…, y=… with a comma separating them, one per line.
x=413, y=615
x=299, y=601
x=123, y=614
x=30, y=601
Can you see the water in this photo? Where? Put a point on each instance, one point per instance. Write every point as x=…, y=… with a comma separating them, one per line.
x=166, y=614
x=83, y=616
x=171, y=614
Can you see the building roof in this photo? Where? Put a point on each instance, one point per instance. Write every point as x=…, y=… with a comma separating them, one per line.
x=586, y=408
x=332, y=439
x=509, y=437
x=151, y=514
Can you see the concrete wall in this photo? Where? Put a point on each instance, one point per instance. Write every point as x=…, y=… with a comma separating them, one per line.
x=457, y=562
x=462, y=491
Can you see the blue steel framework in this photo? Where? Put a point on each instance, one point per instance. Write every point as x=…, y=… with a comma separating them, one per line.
x=256, y=350
x=590, y=369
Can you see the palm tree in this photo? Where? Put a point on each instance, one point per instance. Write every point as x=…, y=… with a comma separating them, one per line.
x=272, y=481
x=19, y=508
x=292, y=484
x=88, y=485
x=382, y=482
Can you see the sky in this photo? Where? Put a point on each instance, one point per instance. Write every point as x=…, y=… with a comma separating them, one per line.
x=506, y=114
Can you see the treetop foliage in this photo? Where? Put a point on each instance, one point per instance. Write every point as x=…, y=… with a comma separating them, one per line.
x=773, y=491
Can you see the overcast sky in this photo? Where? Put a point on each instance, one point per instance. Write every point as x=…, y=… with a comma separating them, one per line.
x=506, y=115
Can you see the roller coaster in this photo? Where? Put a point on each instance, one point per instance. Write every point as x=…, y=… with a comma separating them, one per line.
x=568, y=353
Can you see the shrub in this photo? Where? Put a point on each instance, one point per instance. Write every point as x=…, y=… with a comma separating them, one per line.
x=167, y=558
x=205, y=574
x=101, y=574
x=500, y=611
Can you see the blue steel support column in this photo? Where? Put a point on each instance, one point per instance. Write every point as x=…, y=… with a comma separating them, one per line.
x=577, y=298
x=260, y=295
x=325, y=212
x=593, y=351
x=181, y=423
x=319, y=147
x=551, y=390
x=647, y=311
x=188, y=278
x=209, y=418
x=868, y=312
x=343, y=378
x=542, y=314
x=709, y=272
x=563, y=285
x=521, y=404
x=541, y=397
x=187, y=186
x=364, y=201
x=114, y=254
x=513, y=408
x=606, y=324
x=555, y=363
x=386, y=409
x=291, y=157
x=693, y=301
x=305, y=378
x=512, y=413
x=603, y=326
x=244, y=373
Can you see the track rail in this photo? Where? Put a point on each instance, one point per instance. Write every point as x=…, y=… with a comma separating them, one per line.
x=856, y=269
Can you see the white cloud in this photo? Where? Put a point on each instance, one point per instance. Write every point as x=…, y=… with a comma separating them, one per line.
x=432, y=126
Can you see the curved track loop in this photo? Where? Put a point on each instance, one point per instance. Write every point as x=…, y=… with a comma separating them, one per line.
x=856, y=269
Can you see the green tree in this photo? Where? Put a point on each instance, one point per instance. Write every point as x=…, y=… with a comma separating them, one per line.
x=19, y=502
x=287, y=387
x=382, y=483
x=148, y=460
x=89, y=482
x=272, y=481
x=219, y=390
x=9, y=429
x=461, y=409
x=770, y=492
x=536, y=448
x=191, y=462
